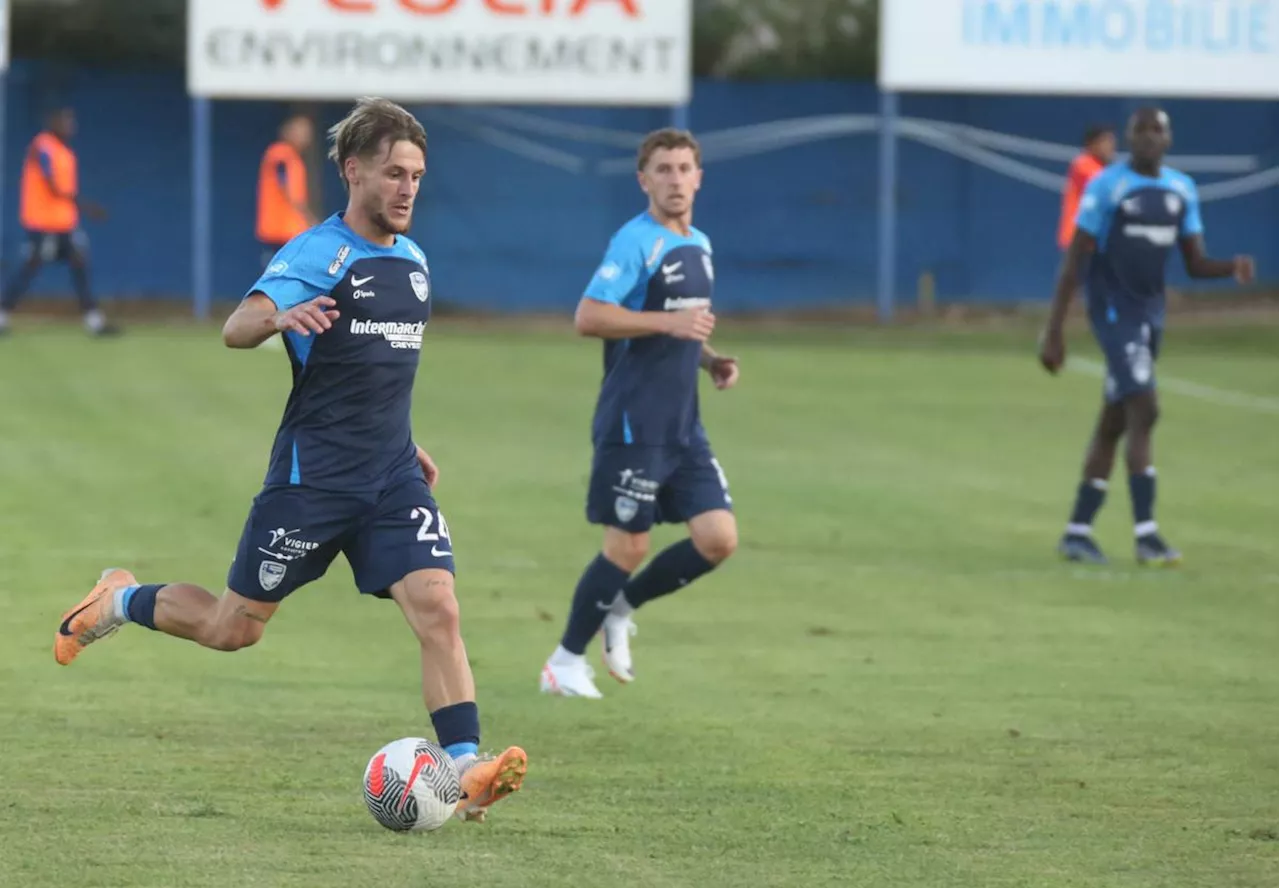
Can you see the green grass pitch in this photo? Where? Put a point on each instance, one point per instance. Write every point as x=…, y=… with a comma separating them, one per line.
x=893, y=683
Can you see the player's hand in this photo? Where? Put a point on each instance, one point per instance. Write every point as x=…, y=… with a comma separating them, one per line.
x=306, y=318
x=1244, y=269
x=429, y=468
x=692, y=323
x=1053, y=350
x=724, y=371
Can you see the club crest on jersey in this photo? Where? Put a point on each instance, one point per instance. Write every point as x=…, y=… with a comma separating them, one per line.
x=625, y=508
x=276, y=268
x=270, y=573
x=421, y=288
x=1173, y=203
x=336, y=265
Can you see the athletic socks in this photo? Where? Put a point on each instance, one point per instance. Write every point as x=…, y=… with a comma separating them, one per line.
x=600, y=584
x=1089, y=498
x=1142, y=493
x=676, y=566
x=137, y=604
x=458, y=729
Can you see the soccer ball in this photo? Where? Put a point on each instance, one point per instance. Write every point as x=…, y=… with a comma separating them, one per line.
x=411, y=784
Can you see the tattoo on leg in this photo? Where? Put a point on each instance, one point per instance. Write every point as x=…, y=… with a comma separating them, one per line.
x=242, y=611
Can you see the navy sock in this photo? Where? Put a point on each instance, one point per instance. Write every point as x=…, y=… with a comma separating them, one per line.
x=1089, y=497
x=140, y=604
x=1142, y=492
x=674, y=567
x=600, y=584
x=458, y=728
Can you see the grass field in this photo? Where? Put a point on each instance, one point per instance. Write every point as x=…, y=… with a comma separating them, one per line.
x=892, y=684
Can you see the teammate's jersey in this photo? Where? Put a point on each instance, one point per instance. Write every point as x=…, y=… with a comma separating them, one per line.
x=1136, y=220
x=346, y=424
x=650, y=389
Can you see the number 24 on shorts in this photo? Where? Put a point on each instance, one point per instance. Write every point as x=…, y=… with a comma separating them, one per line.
x=427, y=535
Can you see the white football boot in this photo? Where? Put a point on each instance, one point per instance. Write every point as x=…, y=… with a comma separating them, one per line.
x=615, y=648
x=568, y=675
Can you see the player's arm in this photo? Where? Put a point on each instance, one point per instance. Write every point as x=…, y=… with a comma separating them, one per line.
x=257, y=319
x=722, y=368
x=1053, y=349
x=602, y=311
x=608, y=320
x=299, y=207
x=1191, y=243
x=1090, y=217
x=45, y=164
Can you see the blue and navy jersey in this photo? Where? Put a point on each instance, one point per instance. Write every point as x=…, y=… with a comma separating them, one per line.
x=1136, y=220
x=346, y=424
x=650, y=389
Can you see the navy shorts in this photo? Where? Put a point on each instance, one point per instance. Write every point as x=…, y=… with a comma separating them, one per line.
x=1130, y=351
x=633, y=487
x=293, y=534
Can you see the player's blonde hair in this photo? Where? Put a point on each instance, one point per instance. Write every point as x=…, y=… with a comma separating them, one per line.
x=373, y=125
x=667, y=138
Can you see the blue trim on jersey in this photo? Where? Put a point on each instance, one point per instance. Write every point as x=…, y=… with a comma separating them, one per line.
x=627, y=437
x=635, y=253
x=295, y=476
x=1106, y=190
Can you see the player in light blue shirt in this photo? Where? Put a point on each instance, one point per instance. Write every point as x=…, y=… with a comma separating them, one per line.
x=1132, y=215
x=650, y=301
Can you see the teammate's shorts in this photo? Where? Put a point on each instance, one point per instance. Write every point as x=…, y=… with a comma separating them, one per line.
x=1130, y=351
x=633, y=487
x=55, y=246
x=293, y=534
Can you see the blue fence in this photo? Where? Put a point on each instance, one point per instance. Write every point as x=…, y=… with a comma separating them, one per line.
x=519, y=203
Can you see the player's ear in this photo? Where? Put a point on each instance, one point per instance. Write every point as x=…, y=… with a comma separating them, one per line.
x=640, y=178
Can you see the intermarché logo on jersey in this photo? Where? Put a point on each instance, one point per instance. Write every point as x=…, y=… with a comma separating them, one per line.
x=398, y=334
x=501, y=7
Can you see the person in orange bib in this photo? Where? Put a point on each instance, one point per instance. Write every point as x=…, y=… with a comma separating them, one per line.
x=49, y=206
x=284, y=210
x=1099, y=152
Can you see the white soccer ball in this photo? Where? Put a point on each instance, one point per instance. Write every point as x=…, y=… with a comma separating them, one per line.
x=411, y=784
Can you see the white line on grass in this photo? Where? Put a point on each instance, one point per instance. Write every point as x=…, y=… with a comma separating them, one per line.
x=1208, y=393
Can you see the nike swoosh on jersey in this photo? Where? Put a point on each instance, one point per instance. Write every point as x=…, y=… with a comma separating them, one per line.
x=360, y=282
x=440, y=553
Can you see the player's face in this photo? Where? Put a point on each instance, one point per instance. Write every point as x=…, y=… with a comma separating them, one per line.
x=1104, y=147
x=1149, y=136
x=387, y=185
x=301, y=133
x=671, y=178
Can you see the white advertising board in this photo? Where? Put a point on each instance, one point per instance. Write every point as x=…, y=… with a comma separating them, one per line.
x=1163, y=48
x=604, y=52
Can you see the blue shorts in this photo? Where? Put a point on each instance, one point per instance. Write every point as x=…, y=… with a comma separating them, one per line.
x=294, y=533
x=1131, y=351
x=633, y=487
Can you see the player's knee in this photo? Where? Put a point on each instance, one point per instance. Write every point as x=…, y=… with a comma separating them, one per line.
x=626, y=550
x=717, y=545
x=235, y=636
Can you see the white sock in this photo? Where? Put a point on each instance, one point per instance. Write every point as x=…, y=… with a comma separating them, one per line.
x=621, y=607
x=94, y=320
x=562, y=657
x=1146, y=528
x=1083, y=530
x=119, y=603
